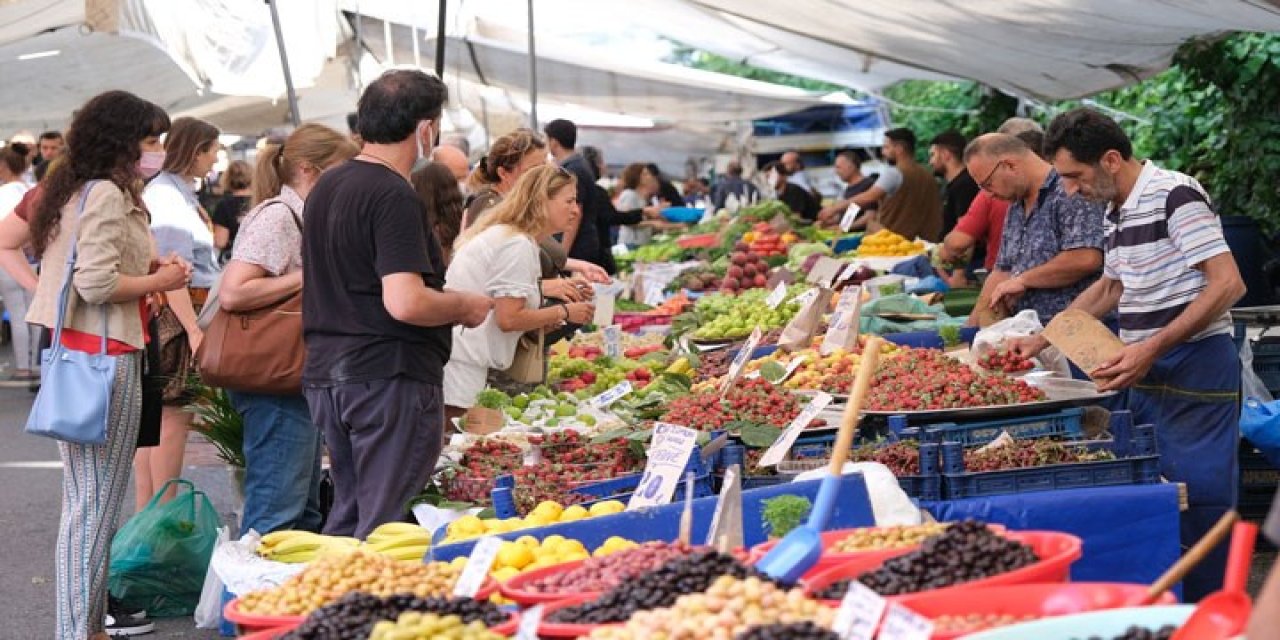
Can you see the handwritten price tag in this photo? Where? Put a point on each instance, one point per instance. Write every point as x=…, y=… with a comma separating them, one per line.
x=782, y=445
x=845, y=320
x=902, y=623
x=478, y=566
x=806, y=297
x=860, y=612
x=668, y=455
x=850, y=215
x=613, y=341
x=740, y=360
x=776, y=297
x=529, y=621
x=612, y=395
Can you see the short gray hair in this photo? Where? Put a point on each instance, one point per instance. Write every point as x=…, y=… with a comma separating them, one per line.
x=1014, y=126
x=995, y=145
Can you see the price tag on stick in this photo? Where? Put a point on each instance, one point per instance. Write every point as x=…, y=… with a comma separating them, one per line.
x=859, y=613
x=782, y=445
x=668, y=455
x=612, y=395
x=726, y=522
x=613, y=341
x=850, y=215
x=776, y=297
x=529, y=621
x=902, y=623
x=740, y=360
x=478, y=566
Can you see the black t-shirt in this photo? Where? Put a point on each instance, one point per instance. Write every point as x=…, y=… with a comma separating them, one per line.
x=363, y=222
x=800, y=201
x=860, y=186
x=586, y=245
x=955, y=202
x=230, y=209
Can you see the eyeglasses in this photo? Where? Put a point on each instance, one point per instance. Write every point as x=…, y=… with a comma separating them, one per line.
x=985, y=185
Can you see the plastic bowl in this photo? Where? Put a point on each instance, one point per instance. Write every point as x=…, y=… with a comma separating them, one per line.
x=562, y=630
x=1039, y=600
x=1057, y=551
x=516, y=588
x=684, y=215
x=269, y=634
x=1107, y=624
x=830, y=559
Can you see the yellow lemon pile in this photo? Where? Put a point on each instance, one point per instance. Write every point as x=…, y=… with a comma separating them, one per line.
x=885, y=243
x=546, y=513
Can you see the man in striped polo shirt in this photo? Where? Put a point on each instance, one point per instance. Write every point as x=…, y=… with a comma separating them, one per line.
x=1171, y=276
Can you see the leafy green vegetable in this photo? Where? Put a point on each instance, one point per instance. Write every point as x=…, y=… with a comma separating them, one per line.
x=784, y=513
x=759, y=436
x=950, y=334
x=492, y=399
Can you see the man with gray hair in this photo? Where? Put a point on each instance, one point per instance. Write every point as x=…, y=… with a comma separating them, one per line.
x=1051, y=246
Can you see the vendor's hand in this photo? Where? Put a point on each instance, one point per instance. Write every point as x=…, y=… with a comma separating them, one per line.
x=1007, y=292
x=589, y=270
x=562, y=289
x=652, y=213
x=1027, y=346
x=581, y=312
x=1127, y=369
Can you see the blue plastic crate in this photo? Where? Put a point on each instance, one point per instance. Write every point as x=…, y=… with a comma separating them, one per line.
x=926, y=487
x=845, y=244
x=1266, y=363
x=1064, y=424
x=928, y=339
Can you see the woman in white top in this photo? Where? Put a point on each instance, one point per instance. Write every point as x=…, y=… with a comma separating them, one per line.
x=638, y=188
x=181, y=228
x=498, y=257
x=13, y=163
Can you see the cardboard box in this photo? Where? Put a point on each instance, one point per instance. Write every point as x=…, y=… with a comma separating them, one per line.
x=1085, y=341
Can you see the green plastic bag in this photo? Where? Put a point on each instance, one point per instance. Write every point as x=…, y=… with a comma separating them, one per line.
x=160, y=556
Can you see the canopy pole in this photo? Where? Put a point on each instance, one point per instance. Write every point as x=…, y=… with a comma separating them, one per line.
x=440, y=39
x=284, y=65
x=533, y=75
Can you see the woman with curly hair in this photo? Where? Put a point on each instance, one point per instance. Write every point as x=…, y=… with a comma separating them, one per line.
x=113, y=140
x=438, y=189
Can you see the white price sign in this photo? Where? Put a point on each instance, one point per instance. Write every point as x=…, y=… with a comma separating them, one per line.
x=847, y=272
x=529, y=621
x=902, y=623
x=782, y=445
x=776, y=297
x=612, y=395
x=792, y=366
x=846, y=318
x=653, y=295
x=740, y=360
x=850, y=215
x=613, y=341
x=806, y=297
x=860, y=612
x=668, y=453
x=726, y=487
x=604, y=310
x=478, y=566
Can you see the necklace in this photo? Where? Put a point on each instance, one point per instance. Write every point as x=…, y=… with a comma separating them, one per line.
x=382, y=162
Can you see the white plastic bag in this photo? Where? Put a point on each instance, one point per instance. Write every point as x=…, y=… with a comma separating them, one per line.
x=889, y=503
x=1026, y=323
x=208, y=614
x=1251, y=386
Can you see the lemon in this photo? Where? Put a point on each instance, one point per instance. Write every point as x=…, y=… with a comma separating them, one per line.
x=459, y=563
x=607, y=507
x=576, y=512
x=551, y=541
x=504, y=574
x=491, y=525
x=537, y=520
x=528, y=541
x=569, y=546
x=466, y=525
x=549, y=509
x=575, y=556
x=514, y=555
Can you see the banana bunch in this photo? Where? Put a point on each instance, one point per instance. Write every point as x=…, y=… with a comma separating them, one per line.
x=303, y=546
x=399, y=540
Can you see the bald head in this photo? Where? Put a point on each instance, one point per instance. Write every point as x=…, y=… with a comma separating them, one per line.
x=454, y=159
x=1015, y=126
x=995, y=145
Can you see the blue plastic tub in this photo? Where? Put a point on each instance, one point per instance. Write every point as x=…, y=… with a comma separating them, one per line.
x=685, y=215
x=845, y=244
x=928, y=339
x=1062, y=424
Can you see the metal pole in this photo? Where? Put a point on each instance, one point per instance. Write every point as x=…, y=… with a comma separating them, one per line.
x=533, y=75
x=284, y=65
x=440, y=39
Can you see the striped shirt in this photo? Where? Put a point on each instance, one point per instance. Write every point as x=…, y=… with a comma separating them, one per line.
x=1154, y=242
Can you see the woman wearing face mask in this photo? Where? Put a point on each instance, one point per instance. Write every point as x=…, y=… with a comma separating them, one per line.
x=115, y=271
x=281, y=445
x=498, y=257
x=183, y=230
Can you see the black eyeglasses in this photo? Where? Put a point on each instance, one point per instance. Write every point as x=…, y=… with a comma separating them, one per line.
x=985, y=185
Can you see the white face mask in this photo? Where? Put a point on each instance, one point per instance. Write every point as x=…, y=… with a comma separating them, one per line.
x=423, y=149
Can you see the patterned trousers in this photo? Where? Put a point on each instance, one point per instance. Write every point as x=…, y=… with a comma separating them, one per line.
x=94, y=480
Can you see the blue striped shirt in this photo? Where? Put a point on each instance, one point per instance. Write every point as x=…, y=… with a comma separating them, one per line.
x=1155, y=240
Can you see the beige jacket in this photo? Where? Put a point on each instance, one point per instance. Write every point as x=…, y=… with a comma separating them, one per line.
x=114, y=240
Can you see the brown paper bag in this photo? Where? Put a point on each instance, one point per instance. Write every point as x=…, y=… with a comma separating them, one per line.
x=800, y=331
x=1085, y=341
x=846, y=322
x=482, y=422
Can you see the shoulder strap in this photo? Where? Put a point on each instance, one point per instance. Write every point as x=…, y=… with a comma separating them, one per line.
x=64, y=293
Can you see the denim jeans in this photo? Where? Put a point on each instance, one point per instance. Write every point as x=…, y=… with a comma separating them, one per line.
x=282, y=463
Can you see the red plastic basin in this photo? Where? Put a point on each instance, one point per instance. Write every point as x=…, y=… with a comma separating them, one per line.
x=1057, y=551
x=1038, y=600
x=562, y=630
x=517, y=587
x=269, y=634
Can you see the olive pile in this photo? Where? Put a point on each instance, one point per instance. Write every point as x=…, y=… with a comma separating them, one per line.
x=728, y=608
x=693, y=573
x=606, y=572
x=414, y=625
x=1142, y=633
x=966, y=551
x=875, y=538
x=328, y=579
x=352, y=617
x=792, y=631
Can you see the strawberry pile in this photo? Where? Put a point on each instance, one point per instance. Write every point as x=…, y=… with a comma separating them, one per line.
x=482, y=463
x=1005, y=361
x=926, y=379
x=572, y=448
x=755, y=400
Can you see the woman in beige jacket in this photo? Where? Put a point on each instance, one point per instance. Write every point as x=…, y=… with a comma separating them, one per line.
x=113, y=138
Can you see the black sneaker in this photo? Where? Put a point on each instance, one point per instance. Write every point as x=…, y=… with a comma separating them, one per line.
x=122, y=621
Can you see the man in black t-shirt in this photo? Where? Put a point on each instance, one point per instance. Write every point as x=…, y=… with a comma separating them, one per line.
x=376, y=317
x=582, y=242
x=799, y=200
x=946, y=153
x=848, y=168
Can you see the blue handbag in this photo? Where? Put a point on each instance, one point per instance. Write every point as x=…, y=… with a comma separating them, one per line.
x=74, y=402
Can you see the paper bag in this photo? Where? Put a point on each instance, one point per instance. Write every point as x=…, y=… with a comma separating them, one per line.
x=846, y=322
x=800, y=331
x=1083, y=339
x=482, y=421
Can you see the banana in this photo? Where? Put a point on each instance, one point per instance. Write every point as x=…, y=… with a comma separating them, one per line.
x=297, y=544
x=276, y=537
x=298, y=557
x=393, y=528
x=413, y=553
x=404, y=540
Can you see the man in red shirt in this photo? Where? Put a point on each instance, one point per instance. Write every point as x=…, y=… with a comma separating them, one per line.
x=983, y=222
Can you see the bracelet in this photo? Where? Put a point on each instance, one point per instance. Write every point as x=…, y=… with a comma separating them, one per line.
x=565, y=308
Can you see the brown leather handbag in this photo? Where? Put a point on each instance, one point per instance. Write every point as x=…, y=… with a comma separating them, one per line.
x=259, y=351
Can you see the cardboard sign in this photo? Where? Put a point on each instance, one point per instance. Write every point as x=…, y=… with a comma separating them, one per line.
x=604, y=310
x=1083, y=339
x=668, y=455
x=776, y=296
x=529, y=621
x=859, y=613
x=613, y=341
x=824, y=271
x=902, y=623
x=807, y=296
x=612, y=395
x=478, y=566
x=778, y=450
x=740, y=360
x=846, y=322
x=726, y=522
x=850, y=216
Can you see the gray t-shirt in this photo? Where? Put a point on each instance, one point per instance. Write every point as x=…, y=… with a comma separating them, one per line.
x=890, y=181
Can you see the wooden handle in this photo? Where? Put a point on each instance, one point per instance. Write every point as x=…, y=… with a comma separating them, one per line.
x=861, y=384
x=1192, y=557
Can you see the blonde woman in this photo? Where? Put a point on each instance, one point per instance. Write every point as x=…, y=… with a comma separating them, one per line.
x=498, y=257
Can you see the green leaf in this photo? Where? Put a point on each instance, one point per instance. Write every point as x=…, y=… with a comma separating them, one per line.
x=759, y=436
x=613, y=434
x=772, y=371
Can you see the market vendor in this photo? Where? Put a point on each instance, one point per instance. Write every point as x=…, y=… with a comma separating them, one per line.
x=796, y=198
x=1051, y=245
x=906, y=192
x=1171, y=276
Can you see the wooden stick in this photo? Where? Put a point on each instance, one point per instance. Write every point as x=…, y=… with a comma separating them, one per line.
x=1192, y=557
x=861, y=384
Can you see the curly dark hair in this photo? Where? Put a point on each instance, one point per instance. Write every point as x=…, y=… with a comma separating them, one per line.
x=442, y=201
x=102, y=144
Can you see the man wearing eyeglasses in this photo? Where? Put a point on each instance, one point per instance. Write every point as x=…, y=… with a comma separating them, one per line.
x=1051, y=248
